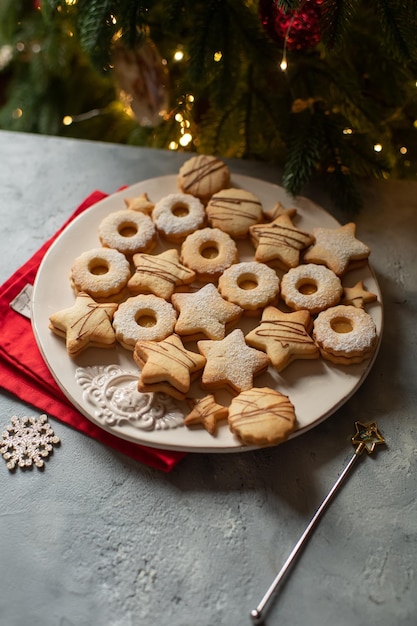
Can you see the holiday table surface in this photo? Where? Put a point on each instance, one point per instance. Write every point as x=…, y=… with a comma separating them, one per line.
x=97, y=537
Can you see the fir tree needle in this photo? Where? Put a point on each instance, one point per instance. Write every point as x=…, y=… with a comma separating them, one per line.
x=367, y=437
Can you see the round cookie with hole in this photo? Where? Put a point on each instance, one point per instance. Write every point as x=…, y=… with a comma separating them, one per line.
x=178, y=215
x=209, y=252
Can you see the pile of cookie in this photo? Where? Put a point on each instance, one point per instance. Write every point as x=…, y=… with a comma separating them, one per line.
x=177, y=308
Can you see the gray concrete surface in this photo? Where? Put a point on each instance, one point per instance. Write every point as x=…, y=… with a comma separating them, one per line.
x=98, y=539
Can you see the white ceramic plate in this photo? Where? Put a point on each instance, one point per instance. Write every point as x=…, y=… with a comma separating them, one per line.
x=316, y=388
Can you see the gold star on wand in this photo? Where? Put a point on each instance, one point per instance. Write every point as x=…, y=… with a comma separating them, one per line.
x=367, y=437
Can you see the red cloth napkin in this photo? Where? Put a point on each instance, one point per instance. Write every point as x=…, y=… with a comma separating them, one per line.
x=24, y=373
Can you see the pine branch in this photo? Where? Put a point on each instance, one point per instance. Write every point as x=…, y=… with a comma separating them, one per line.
x=96, y=29
x=305, y=148
x=398, y=20
x=336, y=19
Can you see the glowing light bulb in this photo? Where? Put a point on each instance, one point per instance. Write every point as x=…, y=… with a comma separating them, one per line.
x=185, y=139
x=178, y=55
x=67, y=120
x=283, y=65
x=172, y=145
x=377, y=147
x=403, y=150
x=217, y=56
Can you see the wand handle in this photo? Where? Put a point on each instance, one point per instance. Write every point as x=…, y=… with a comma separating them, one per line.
x=257, y=614
x=366, y=438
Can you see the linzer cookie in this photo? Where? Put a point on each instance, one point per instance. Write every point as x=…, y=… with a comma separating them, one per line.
x=86, y=324
x=262, y=417
x=250, y=285
x=202, y=176
x=159, y=274
x=128, y=232
x=167, y=366
x=345, y=334
x=231, y=363
x=100, y=272
x=234, y=211
x=143, y=317
x=337, y=248
x=279, y=243
x=209, y=251
x=311, y=287
x=204, y=314
x=177, y=215
x=284, y=337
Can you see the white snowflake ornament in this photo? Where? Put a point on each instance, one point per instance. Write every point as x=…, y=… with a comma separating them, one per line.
x=27, y=441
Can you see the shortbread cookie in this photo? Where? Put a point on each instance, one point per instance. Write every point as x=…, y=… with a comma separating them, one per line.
x=177, y=215
x=128, y=232
x=207, y=412
x=311, y=287
x=261, y=417
x=358, y=296
x=231, y=363
x=204, y=314
x=159, y=274
x=167, y=366
x=140, y=203
x=279, y=243
x=202, y=176
x=271, y=213
x=86, y=324
x=345, y=334
x=337, y=248
x=143, y=317
x=284, y=337
x=208, y=252
x=234, y=211
x=250, y=285
x=100, y=272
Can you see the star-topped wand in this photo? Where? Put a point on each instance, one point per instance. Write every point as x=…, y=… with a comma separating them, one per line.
x=367, y=437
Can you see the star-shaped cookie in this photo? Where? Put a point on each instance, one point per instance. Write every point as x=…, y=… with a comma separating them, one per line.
x=231, y=363
x=206, y=411
x=204, y=313
x=140, y=203
x=337, y=248
x=358, y=296
x=85, y=324
x=278, y=209
x=284, y=337
x=159, y=274
x=167, y=366
x=280, y=242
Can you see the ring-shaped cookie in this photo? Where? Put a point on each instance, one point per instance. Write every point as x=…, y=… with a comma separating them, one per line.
x=345, y=334
x=177, y=215
x=144, y=317
x=251, y=285
x=209, y=252
x=311, y=287
x=100, y=272
x=127, y=231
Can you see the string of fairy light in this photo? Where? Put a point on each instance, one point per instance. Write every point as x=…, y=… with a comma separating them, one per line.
x=283, y=65
x=183, y=137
